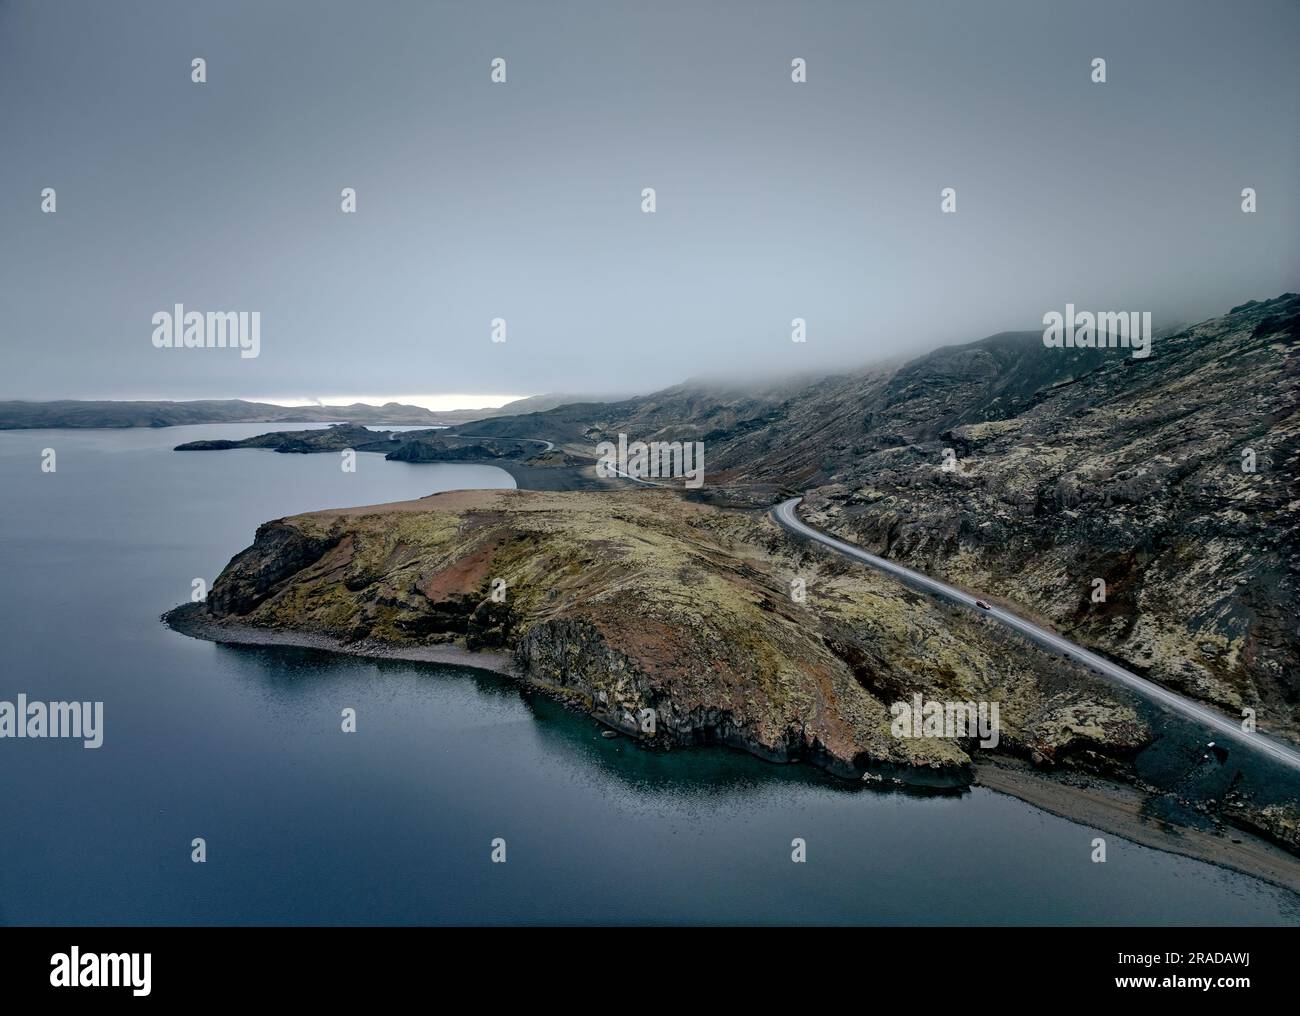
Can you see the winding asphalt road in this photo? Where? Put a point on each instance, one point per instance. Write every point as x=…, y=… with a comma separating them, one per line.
x=1221, y=725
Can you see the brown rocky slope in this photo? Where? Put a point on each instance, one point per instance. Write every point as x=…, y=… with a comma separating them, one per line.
x=631, y=600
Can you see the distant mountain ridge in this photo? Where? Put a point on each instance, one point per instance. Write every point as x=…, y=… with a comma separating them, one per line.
x=74, y=413
x=795, y=431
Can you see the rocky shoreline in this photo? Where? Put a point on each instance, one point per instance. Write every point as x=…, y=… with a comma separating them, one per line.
x=1108, y=806
x=193, y=620
x=1123, y=810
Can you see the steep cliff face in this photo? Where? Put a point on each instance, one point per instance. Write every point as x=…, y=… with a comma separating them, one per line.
x=636, y=604
x=278, y=553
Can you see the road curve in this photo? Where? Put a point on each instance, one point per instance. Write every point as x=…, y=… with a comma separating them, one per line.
x=550, y=445
x=785, y=515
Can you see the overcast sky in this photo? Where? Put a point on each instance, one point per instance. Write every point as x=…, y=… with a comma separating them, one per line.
x=522, y=200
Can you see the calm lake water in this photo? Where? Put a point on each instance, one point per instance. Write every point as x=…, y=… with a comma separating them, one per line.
x=393, y=824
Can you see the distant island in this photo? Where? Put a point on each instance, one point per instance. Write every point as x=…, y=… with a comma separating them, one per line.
x=534, y=464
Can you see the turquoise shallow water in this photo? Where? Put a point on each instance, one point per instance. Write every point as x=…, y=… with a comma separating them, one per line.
x=394, y=824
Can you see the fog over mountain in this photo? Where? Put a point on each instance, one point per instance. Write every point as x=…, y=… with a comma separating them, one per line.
x=522, y=200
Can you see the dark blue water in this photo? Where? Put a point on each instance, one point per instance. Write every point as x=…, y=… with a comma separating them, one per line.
x=393, y=824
